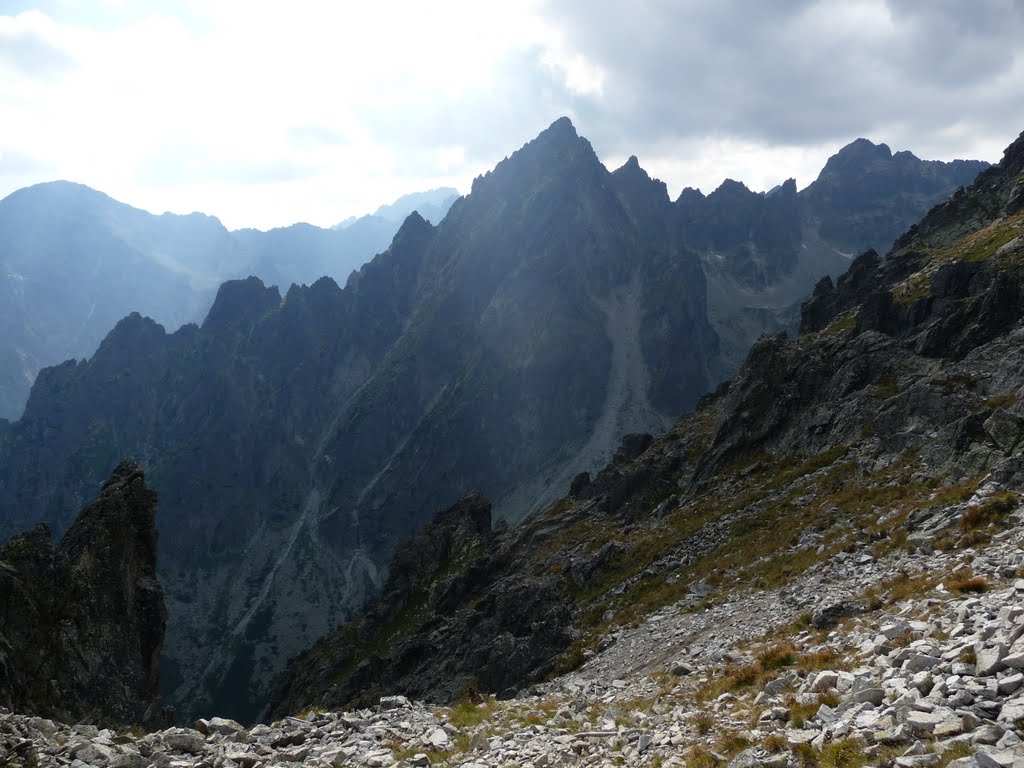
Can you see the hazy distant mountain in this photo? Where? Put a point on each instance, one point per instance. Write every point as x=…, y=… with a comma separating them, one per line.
x=73, y=262
x=432, y=205
x=295, y=442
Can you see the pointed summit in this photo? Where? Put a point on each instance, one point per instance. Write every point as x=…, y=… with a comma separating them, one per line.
x=638, y=186
x=733, y=190
x=557, y=149
x=690, y=197
x=631, y=169
x=240, y=303
x=855, y=157
x=562, y=127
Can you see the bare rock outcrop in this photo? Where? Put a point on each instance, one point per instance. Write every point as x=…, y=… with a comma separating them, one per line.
x=82, y=624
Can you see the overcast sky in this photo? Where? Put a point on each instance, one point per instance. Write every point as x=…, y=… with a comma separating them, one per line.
x=267, y=113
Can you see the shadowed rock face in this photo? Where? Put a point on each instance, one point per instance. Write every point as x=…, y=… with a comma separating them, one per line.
x=82, y=625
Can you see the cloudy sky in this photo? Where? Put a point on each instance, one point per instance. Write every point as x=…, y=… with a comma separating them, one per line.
x=266, y=113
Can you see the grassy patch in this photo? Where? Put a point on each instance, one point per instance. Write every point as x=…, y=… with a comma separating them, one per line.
x=777, y=656
x=700, y=756
x=843, y=754
x=993, y=510
x=915, y=287
x=766, y=667
x=800, y=713
x=983, y=244
x=466, y=714
x=965, y=582
x=841, y=326
x=899, y=588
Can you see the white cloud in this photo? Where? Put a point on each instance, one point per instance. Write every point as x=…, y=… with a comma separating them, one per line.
x=267, y=113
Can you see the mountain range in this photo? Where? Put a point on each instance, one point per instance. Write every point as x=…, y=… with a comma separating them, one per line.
x=432, y=205
x=891, y=423
x=73, y=262
x=297, y=440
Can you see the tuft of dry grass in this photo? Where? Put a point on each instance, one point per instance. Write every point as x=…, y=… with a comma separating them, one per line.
x=843, y=754
x=777, y=656
x=704, y=722
x=966, y=582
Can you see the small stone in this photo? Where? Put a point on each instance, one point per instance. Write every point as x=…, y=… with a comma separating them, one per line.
x=748, y=758
x=222, y=725
x=987, y=734
x=947, y=728
x=919, y=662
x=245, y=759
x=1012, y=711
x=823, y=681
x=912, y=761
x=873, y=696
x=479, y=742
x=801, y=736
x=130, y=760
x=419, y=760
x=438, y=738
x=1010, y=683
x=994, y=759
x=394, y=702
x=900, y=735
x=1009, y=740
x=185, y=740
x=990, y=660
x=924, y=682
x=97, y=754
x=923, y=723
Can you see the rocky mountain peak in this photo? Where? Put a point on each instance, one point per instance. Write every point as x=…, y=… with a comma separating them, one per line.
x=240, y=303
x=689, y=196
x=132, y=335
x=415, y=227
x=730, y=189
x=787, y=188
x=1013, y=156
x=640, y=193
x=561, y=129
x=854, y=156
x=82, y=625
x=558, y=149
